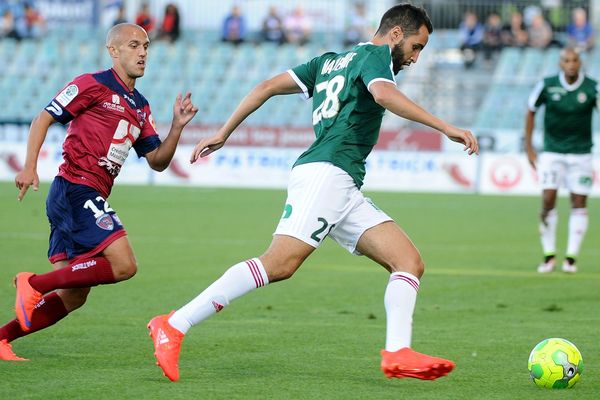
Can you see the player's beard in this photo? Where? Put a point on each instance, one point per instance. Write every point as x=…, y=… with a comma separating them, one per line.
x=398, y=57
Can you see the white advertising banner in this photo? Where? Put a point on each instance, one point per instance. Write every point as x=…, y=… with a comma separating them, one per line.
x=269, y=167
x=512, y=174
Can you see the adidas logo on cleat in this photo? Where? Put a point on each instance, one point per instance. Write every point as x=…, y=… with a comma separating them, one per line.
x=161, y=338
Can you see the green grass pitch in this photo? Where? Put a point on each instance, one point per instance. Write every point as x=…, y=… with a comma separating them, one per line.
x=318, y=335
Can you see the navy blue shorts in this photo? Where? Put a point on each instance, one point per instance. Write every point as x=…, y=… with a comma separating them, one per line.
x=82, y=224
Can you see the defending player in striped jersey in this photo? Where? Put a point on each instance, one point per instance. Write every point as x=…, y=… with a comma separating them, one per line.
x=88, y=243
x=350, y=92
x=569, y=98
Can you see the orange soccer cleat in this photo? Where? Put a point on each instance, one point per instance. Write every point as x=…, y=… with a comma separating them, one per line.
x=7, y=354
x=167, y=345
x=407, y=363
x=26, y=300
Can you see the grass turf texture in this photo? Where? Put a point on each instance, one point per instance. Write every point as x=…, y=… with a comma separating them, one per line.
x=317, y=335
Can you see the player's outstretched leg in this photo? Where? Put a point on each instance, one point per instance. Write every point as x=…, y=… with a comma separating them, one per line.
x=167, y=345
x=407, y=363
x=7, y=354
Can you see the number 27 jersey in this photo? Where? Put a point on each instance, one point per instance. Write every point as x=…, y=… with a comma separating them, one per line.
x=346, y=118
x=106, y=120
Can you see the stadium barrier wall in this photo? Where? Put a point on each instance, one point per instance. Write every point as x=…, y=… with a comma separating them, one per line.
x=268, y=167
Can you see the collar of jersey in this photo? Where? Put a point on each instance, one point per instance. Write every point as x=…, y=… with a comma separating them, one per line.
x=570, y=87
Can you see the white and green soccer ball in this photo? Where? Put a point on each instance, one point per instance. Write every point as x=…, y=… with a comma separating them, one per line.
x=555, y=363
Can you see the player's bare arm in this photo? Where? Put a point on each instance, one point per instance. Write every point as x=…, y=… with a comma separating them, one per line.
x=529, y=125
x=388, y=96
x=278, y=85
x=37, y=134
x=183, y=112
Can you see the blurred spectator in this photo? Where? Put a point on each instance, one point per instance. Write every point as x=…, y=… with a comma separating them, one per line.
x=492, y=36
x=35, y=24
x=234, y=27
x=297, y=27
x=121, y=19
x=357, y=26
x=471, y=38
x=8, y=27
x=272, y=27
x=540, y=32
x=580, y=32
x=145, y=19
x=515, y=33
x=169, y=29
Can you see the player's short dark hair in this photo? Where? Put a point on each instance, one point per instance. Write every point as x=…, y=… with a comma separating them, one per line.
x=410, y=18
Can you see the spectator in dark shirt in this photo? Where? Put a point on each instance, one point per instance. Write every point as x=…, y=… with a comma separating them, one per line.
x=272, y=27
x=515, y=33
x=492, y=36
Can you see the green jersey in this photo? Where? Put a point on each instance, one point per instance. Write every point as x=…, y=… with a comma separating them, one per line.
x=568, y=114
x=346, y=118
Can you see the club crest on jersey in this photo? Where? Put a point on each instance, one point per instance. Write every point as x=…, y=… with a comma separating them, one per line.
x=67, y=95
x=115, y=99
x=105, y=222
x=141, y=117
x=581, y=97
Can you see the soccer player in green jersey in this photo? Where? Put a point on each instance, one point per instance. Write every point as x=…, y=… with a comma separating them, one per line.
x=569, y=99
x=350, y=92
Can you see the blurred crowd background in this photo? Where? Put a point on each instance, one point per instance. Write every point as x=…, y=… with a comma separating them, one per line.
x=482, y=60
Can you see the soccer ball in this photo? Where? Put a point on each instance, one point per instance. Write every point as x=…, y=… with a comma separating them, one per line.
x=555, y=364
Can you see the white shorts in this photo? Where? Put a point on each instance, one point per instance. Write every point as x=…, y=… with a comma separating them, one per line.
x=324, y=200
x=574, y=171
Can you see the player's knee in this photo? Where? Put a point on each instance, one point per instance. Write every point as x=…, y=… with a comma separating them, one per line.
x=125, y=270
x=414, y=266
x=282, y=270
x=73, y=298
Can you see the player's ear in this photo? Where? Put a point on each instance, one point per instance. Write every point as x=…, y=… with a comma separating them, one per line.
x=112, y=51
x=397, y=34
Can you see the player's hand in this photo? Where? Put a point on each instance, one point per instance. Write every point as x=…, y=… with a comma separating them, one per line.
x=532, y=157
x=207, y=146
x=24, y=180
x=465, y=137
x=183, y=110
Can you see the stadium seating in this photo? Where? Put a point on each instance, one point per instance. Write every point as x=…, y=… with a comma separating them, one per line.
x=220, y=74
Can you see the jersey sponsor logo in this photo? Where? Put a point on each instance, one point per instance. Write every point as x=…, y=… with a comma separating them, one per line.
x=105, y=222
x=55, y=109
x=556, y=97
x=113, y=107
x=111, y=167
x=67, y=95
x=581, y=97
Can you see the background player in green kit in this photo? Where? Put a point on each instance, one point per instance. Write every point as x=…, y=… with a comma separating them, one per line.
x=350, y=92
x=570, y=99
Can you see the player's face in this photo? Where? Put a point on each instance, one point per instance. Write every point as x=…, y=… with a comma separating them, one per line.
x=570, y=63
x=133, y=52
x=408, y=49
